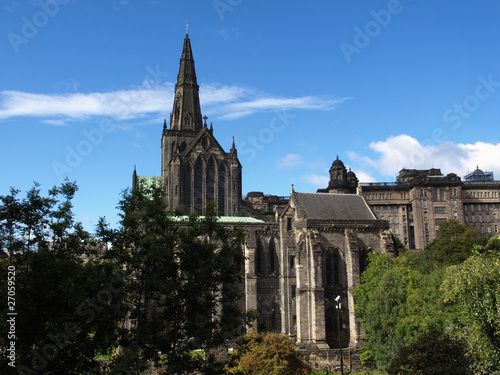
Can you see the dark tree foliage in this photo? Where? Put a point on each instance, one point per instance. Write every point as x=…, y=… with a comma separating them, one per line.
x=183, y=280
x=66, y=300
x=434, y=353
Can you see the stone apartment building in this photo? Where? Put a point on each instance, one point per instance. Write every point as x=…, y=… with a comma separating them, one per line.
x=304, y=250
x=419, y=200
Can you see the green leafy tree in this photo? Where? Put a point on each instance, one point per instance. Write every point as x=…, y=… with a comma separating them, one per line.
x=425, y=308
x=474, y=287
x=378, y=264
x=67, y=300
x=432, y=353
x=184, y=280
x=266, y=354
x=452, y=246
x=383, y=315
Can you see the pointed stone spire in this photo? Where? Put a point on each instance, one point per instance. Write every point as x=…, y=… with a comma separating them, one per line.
x=233, y=151
x=186, y=110
x=211, y=128
x=135, y=180
x=164, y=125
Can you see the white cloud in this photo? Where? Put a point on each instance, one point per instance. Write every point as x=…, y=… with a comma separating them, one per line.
x=290, y=160
x=404, y=151
x=227, y=102
x=364, y=176
x=320, y=181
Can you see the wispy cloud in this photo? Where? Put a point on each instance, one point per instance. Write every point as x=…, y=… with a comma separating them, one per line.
x=296, y=160
x=223, y=101
x=290, y=160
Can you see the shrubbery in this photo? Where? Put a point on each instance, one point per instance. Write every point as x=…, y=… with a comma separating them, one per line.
x=266, y=354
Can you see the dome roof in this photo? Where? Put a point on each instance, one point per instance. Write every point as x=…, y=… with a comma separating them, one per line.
x=337, y=162
x=351, y=174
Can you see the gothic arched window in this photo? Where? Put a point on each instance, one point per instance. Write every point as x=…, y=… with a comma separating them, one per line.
x=258, y=256
x=186, y=188
x=273, y=257
x=222, y=189
x=210, y=181
x=332, y=268
x=198, y=185
x=187, y=120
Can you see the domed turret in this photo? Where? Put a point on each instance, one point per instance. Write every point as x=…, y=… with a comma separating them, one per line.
x=341, y=181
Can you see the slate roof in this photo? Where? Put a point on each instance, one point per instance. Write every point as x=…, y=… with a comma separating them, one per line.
x=328, y=206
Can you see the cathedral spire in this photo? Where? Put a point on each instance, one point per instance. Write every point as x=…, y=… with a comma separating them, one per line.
x=186, y=110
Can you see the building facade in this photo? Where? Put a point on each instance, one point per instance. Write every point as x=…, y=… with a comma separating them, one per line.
x=419, y=200
x=301, y=251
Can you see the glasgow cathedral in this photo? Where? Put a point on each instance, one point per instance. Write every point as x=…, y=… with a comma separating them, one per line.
x=305, y=250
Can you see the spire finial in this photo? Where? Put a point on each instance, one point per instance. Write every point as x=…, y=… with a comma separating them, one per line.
x=187, y=27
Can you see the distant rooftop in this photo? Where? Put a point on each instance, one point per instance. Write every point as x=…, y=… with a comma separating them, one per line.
x=479, y=176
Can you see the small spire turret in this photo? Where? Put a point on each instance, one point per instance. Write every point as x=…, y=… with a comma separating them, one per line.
x=233, y=151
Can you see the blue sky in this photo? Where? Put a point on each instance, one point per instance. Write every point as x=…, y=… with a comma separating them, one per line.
x=85, y=86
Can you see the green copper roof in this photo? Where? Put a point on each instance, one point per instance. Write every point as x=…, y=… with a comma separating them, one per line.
x=149, y=181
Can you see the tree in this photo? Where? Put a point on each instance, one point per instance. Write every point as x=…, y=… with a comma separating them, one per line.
x=425, y=309
x=184, y=279
x=452, y=246
x=266, y=354
x=383, y=315
x=378, y=264
x=433, y=353
x=474, y=287
x=67, y=300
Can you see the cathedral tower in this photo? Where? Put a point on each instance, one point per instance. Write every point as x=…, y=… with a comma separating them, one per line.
x=195, y=168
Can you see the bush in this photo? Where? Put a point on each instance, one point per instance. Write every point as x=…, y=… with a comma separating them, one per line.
x=266, y=354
